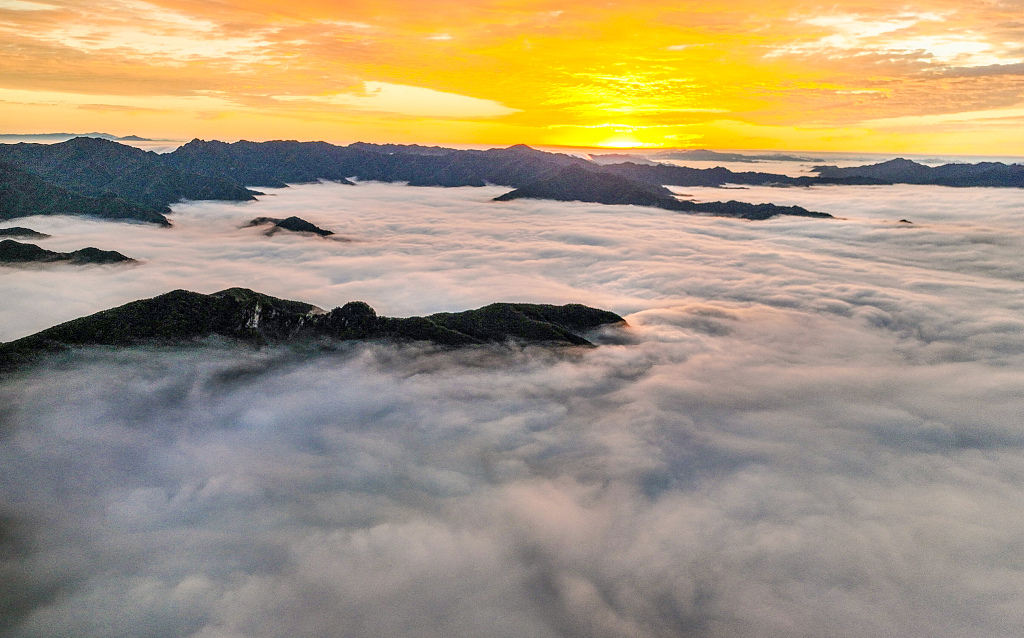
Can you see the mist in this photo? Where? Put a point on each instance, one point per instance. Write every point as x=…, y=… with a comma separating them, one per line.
x=810, y=427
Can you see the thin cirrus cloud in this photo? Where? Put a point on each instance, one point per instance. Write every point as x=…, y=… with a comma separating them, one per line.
x=162, y=103
x=24, y=5
x=140, y=29
x=405, y=100
x=904, y=36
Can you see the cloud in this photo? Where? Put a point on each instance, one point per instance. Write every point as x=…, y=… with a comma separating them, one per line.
x=23, y=5
x=532, y=65
x=924, y=37
x=143, y=29
x=406, y=100
x=810, y=424
x=125, y=102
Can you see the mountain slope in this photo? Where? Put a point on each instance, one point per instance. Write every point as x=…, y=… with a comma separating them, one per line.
x=23, y=194
x=904, y=171
x=15, y=252
x=585, y=184
x=101, y=168
x=182, y=316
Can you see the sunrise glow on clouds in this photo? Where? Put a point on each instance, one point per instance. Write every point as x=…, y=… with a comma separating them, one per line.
x=935, y=76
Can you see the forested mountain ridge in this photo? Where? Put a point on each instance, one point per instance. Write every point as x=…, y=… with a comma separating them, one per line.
x=97, y=177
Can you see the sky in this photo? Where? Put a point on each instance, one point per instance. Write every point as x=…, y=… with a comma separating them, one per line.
x=936, y=76
x=811, y=427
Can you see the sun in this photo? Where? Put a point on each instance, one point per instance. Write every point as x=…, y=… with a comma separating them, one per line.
x=620, y=140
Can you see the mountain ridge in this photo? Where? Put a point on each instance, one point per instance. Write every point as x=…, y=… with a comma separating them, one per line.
x=16, y=252
x=124, y=182
x=181, y=316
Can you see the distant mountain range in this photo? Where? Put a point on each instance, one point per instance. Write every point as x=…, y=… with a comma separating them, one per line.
x=904, y=171
x=24, y=193
x=584, y=183
x=696, y=155
x=704, y=155
x=182, y=316
x=98, y=177
x=63, y=137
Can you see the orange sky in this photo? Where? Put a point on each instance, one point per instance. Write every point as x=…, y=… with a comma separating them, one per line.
x=940, y=76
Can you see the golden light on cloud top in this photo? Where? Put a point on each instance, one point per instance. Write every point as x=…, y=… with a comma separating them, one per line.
x=936, y=76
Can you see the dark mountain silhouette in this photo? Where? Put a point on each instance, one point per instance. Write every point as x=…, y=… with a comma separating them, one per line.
x=746, y=210
x=274, y=164
x=22, y=233
x=409, y=149
x=23, y=194
x=904, y=171
x=63, y=137
x=14, y=252
x=101, y=168
x=269, y=164
x=705, y=155
x=531, y=172
x=585, y=184
x=181, y=316
x=123, y=182
x=669, y=175
x=294, y=224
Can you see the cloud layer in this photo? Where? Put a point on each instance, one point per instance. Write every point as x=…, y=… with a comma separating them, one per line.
x=811, y=428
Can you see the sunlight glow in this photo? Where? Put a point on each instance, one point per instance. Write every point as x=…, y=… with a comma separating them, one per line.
x=621, y=140
x=765, y=74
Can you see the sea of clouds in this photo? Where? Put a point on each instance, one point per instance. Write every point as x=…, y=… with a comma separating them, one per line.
x=810, y=428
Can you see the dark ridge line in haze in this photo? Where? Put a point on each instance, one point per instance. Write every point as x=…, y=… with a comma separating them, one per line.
x=181, y=316
x=904, y=171
x=583, y=184
x=293, y=223
x=696, y=155
x=63, y=137
x=22, y=233
x=16, y=252
x=98, y=177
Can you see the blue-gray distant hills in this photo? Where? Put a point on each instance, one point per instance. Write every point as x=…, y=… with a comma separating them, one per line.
x=63, y=137
x=181, y=317
x=904, y=171
x=102, y=178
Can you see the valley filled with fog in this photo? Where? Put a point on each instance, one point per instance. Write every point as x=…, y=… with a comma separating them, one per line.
x=811, y=427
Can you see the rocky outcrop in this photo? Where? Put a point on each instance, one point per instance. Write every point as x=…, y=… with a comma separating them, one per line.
x=182, y=316
x=14, y=252
x=294, y=224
